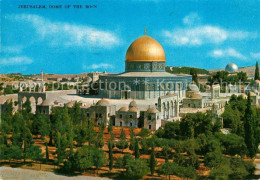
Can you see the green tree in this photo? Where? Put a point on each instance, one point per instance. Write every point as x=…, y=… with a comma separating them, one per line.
x=172, y=130
x=257, y=77
x=192, y=161
x=166, y=151
x=99, y=158
x=35, y=153
x=75, y=114
x=91, y=133
x=36, y=123
x=10, y=152
x=136, y=148
x=238, y=168
x=132, y=139
x=61, y=144
x=47, y=152
x=221, y=172
x=194, y=74
x=168, y=169
x=171, y=168
x=152, y=161
x=100, y=140
x=15, y=152
x=122, y=162
x=27, y=106
x=44, y=126
x=214, y=159
x=110, y=127
x=250, y=129
x=81, y=133
x=136, y=169
x=233, y=144
x=144, y=133
x=110, y=154
x=122, y=143
x=8, y=90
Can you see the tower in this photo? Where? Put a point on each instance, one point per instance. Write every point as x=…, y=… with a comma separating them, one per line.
x=42, y=75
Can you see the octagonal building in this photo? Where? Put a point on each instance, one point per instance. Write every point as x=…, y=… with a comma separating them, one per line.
x=144, y=76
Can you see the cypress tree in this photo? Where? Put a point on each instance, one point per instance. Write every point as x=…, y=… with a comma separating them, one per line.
x=132, y=138
x=110, y=147
x=137, y=152
x=122, y=143
x=122, y=134
x=249, y=126
x=257, y=71
x=152, y=161
x=47, y=151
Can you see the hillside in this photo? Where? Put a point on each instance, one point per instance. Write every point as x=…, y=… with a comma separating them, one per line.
x=250, y=71
x=185, y=70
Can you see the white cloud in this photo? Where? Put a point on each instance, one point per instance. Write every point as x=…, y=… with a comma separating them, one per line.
x=203, y=35
x=11, y=49
x=98, y=66
x=255, y=55
x=230, y=52
x=12, y=61
x=67, y=34
x=191, y=19
x=196, y=34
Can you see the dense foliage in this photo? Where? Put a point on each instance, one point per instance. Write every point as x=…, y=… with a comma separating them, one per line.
x=185, y=70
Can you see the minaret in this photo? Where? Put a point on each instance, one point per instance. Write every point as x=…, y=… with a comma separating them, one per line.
x=42, y=74
x=43, y=85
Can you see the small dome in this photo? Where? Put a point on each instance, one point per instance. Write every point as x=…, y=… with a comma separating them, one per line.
x=9, y=100
x=152, y=110
x=47, y=102
x=123, y=109
x=103, y=102
x=231, y=68
x=2, y=101
x=70, y=104
x=81, y=102
x=132, y=104
x=196, y=96
x=56, y=102
x=252, y=94
x=133, y=109
x=193, y=87
x=244, y=96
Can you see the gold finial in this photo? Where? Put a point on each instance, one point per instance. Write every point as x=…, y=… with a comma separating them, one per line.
x=145, y=31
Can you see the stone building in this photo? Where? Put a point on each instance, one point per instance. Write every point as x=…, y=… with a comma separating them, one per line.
x=101, y=112
x=168, y=105
x=194, y=100
x=45, y=107
x=152, y=119
x=128, y=117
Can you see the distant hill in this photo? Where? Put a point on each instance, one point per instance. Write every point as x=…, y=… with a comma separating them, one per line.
x=215, y=70
x=185, y=70
x=250, y=71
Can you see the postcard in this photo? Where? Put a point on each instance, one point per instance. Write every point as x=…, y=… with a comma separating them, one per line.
x=137, y=89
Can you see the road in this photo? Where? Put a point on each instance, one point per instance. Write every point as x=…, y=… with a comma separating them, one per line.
x=27, y=174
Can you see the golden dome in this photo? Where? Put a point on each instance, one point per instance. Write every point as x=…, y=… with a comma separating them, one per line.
x=145, y=48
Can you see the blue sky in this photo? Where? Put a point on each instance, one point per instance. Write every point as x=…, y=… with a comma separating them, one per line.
x=199, y=33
